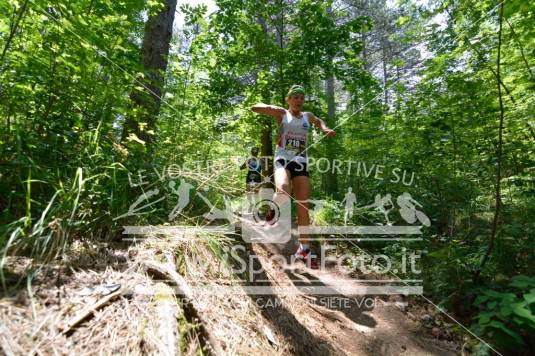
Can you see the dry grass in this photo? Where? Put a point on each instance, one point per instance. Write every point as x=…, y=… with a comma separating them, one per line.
x=31, y=318
x=235, y=318
x=110, y=331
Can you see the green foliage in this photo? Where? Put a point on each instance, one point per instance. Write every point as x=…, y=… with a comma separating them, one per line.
x=61, y=171
x=329, y=213
x=507, y=315
x=80, y=205
x=416, y=90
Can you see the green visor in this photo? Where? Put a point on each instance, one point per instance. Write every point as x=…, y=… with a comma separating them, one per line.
x=296, y=90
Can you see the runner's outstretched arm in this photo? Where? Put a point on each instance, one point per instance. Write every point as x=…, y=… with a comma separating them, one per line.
x=321, y=125
x=272, y=110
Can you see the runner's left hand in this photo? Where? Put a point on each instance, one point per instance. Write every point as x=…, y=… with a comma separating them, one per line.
x=329, y=133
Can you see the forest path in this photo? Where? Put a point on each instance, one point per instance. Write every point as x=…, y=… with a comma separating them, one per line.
x=289, y=318
x=333, y=314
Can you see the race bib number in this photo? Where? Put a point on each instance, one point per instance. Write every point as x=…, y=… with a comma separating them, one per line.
x=295, y=145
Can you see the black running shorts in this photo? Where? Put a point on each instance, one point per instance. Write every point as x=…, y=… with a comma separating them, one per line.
x=253, y=177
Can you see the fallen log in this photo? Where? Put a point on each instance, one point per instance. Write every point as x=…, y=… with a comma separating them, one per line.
x=167, y=272
x=167, y=311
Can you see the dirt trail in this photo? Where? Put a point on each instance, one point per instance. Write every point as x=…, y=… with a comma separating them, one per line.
x=343, y=323
x=295, y=322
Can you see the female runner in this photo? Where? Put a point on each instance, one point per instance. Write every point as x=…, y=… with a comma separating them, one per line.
x=290, y=161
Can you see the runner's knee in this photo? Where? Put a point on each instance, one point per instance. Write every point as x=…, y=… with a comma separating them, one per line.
x=283, y=188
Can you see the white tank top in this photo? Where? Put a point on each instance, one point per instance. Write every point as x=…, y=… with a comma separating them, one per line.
x=293, y=136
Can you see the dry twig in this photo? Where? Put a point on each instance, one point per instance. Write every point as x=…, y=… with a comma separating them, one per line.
x=88, y=312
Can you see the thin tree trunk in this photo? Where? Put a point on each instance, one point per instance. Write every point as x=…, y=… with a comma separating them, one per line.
x=185, y=87
x=331, y=104
x=454, y=141
x=90, y=7
x=280, y=38
x=8, y=119
x=13, y=31
x=499, y=153
x=364, y=43
x=266, y=149
x=385, y=73
x=147, y=99
x=507, y=91
x=520, y=47
x=331, y=177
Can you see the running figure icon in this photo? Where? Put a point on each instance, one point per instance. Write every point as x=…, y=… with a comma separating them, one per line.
x=350, y=199
x=380, y=204
x=408, y=211
x=183, y=197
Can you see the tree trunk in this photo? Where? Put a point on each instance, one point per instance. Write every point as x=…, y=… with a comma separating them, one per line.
x=498, y=154
x=13, y=30
x=363, y=38
x=385, y=73
x=364, y=48
x=280, y=39
x=147, y=92
x=266, y=149
x=331, y=177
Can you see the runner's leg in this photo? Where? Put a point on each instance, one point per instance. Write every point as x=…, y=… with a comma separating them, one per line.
x=250, y=200
x=256, y=193
x=282, y=186
x=301, y=188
